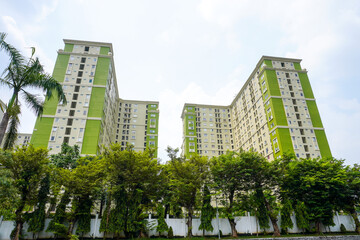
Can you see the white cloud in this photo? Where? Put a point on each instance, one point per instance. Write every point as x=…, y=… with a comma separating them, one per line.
x=46, y=10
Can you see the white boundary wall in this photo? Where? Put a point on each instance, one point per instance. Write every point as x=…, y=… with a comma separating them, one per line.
x=244, y=225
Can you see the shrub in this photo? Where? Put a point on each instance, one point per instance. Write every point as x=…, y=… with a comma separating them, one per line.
x=342, y=228
x=170, y=233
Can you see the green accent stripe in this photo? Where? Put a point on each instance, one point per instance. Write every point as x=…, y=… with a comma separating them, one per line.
x=297, y=66
x=285, y=140
x=42, y=131
x=323, y=143
x=272, y=82
x=68, y=47
x=314, y=114
x=50, y=106
x=60, y=67
x=91, y=137
x=305, y=83
x=268, y=63
x=97, y=101
x=102, y=71
x=150, y=108
x=104, y=50
x=278, y=111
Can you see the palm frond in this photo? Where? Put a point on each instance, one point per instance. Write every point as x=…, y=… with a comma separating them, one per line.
x=49, y=84
x=34, y=102
x=14, y=122
x=15, y=57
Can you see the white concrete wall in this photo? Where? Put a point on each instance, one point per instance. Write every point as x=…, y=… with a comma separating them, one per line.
x=244, y=225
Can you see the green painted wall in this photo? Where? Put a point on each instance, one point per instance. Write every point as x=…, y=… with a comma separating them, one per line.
x=50, y=106
x=285, y=141
x=278, y=111
x=96, y=105
x=154, y=107
x=272, y=82
x=60, y=67
x=59, y=74
x=297, y=66
x=102, y=71
x=314, y=114
x=68, y=47
x=91, y=137
x=190, y=115
x=152, y=110
x=323, y=143
x=41, y=136
x=268, y=63
x=305, y=83
x=104, y=50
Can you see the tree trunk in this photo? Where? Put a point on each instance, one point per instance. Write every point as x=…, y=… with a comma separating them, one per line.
x=233, y=228
x=356, y=220
x=3, y=126
x=19, y=221
x=272, y=218
x=189, y=224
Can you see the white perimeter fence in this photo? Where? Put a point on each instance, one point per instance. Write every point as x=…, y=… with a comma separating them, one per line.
x=244, y=225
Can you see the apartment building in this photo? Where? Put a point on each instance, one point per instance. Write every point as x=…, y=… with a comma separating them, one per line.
x=274, y=112
x=23, y=139
x=137, y=124
x=91, y=118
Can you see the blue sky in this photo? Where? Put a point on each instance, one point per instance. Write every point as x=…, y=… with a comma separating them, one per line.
x=203, y=51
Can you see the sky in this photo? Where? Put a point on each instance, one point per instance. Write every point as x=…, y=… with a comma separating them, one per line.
x=202, y=51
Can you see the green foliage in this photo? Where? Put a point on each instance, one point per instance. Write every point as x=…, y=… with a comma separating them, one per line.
x=67, y=158
x=170, y=233
x=60, y=214
x=318, y=183
x=187, y=177
x=228, y=176
x=162, y=226
x=82, y=208
x=8, y=194
x=26, y=167
x=286, y=212
x=37, y=218
x=135, y=177
x=207, y=211
x=20, y=75
x=260, y=210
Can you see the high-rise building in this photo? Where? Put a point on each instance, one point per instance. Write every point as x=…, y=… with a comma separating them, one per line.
x=90, y=119
x=137, y=124
x=274, y=112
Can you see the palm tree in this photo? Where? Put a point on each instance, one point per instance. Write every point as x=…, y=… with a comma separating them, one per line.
x=19, y=76
x=14, y=54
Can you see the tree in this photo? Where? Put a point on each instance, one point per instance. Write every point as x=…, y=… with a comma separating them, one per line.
x=302, y=216
x=260, y=178
x=21, y=75
x=351, y=194
x=162, y=226
x=132, y=179
x=28, y=167
x=207, y=212
x=187, y=176
x=14, y=54
x=37, y=218
x=285, y=213
x=318, y=183
x=228, y=177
